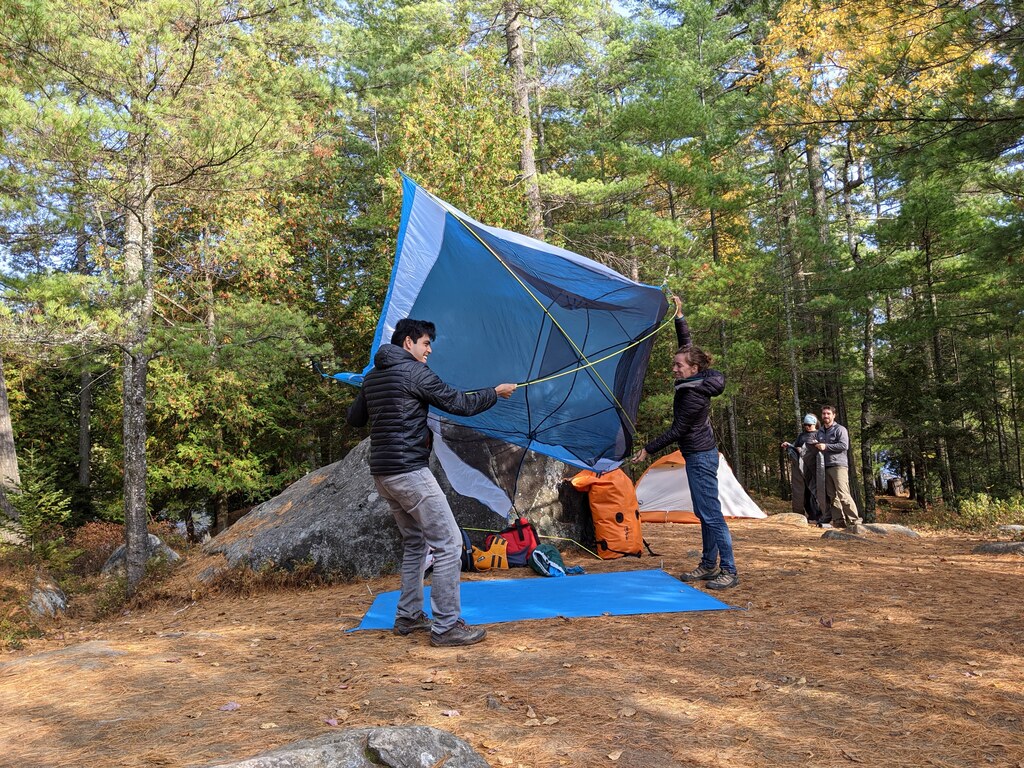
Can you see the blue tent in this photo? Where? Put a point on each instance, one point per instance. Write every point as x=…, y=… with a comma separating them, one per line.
x=511, y=308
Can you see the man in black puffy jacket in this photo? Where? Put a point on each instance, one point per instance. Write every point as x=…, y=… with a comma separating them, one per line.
x=394, y=399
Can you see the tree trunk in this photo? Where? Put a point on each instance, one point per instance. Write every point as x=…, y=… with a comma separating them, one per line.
x=220, y=502
x=788, y=268
x=730, y=406
x=527, y=160
x=138, y=253
x=1013, y=410
x=938, y=376
x=823, y=386
x=866, y=418
x=84, y=428
x=85, y=381
x=10, y=478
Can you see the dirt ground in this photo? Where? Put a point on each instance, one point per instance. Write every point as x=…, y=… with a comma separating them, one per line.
x=884, y=652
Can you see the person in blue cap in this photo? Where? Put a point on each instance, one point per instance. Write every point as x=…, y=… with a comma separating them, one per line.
x=804, y=465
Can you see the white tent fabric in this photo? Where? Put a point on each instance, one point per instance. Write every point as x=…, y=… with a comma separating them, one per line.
x=464, y=478
x=664, y=495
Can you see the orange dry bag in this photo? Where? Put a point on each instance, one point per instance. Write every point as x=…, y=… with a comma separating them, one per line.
x=615, y=511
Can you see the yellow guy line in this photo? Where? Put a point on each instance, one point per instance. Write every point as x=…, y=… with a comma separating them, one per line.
x=599, y=360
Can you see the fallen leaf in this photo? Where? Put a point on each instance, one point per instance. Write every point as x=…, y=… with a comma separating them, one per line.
x=550, y=721
x=331, y=721
x=267, y=726
x=176, y=660
x=532, y=722
x=231, y=706
x=613, y=756
x=450, y=712
x=627, y=712
x=826, y=622
x=530, y=712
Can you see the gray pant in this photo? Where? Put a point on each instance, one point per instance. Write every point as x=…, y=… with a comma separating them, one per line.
x=425, y=521
x=842, y=506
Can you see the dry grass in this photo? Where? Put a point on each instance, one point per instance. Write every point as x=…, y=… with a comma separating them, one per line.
x=887, y=652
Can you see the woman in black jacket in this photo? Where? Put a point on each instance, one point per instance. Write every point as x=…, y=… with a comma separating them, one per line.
x=696, y=383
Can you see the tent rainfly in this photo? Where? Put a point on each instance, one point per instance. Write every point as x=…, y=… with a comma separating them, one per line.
x=664, y=495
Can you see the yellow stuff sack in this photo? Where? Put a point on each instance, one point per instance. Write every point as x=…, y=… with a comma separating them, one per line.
x=492, y=558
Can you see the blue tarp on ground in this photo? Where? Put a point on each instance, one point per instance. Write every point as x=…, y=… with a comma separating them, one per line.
x=623, y=593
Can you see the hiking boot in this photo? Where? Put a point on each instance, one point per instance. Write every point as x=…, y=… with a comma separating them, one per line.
x=406, y=624
x=460, y=634
x=724, y=580
x=700, y=573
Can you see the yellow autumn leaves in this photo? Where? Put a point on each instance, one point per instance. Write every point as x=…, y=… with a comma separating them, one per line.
x=841, y=61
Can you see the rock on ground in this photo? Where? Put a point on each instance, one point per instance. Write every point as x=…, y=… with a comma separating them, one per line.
x=47, y=598
x=1000, y=548
x=891, y=529
x=117, y=562
x=788, y=518
x=334, y=520
x=398, y=747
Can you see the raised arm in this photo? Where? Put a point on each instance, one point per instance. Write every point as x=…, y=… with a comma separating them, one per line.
x=682, y=327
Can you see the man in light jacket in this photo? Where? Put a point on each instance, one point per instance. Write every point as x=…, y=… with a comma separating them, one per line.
x=834, y=442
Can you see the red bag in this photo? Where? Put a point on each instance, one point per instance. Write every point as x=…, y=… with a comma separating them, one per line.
x=522, y=540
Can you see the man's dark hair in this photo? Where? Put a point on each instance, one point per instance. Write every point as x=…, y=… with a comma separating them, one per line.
x=413, y=329
x=828, y=407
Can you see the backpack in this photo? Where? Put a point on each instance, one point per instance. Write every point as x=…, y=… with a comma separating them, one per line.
x=547, y=561
x=467, y=551
x=615, y=512
x=521, y=538
x=492, y=558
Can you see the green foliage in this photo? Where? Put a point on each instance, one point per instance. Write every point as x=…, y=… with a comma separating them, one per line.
x=982, y=512
x=41, y=506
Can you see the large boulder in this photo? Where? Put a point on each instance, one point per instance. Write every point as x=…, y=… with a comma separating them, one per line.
x=416, y=746
x=334, y=520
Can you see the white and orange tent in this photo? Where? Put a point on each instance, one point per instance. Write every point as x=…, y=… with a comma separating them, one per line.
x=664, y=495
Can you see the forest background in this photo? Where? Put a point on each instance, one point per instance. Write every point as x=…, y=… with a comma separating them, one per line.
x=199, y=196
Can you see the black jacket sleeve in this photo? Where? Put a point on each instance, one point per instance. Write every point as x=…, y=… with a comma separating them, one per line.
x=683, y=332
x=452, y=400
x=358, y=415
